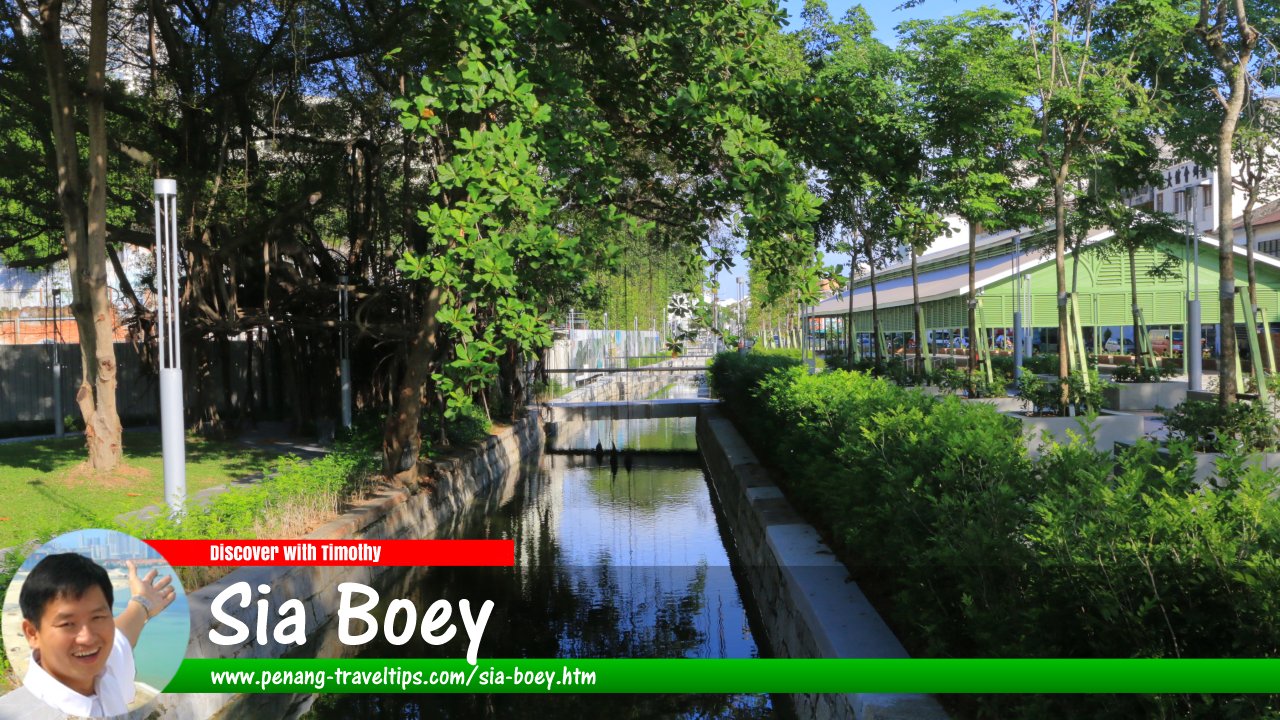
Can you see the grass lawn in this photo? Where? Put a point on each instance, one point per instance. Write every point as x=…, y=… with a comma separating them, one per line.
x=46, y=486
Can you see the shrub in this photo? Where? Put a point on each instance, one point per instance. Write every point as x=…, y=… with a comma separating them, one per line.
x=469, y=426
x=733, y=375
x=1042, y=363
x=1002, y=365
x=1044, y=397
x=971, y=549
x=1244, y=425
x=1131, y=374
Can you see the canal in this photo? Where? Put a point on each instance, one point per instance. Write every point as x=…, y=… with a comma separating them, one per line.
x=616, y=556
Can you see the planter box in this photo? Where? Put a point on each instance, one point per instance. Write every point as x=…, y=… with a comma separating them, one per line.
x=1207, y=462
x=1212, y=395
x=1109, y=428
x=1144, y=396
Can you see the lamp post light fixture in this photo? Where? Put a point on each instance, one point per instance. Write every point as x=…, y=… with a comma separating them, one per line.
x=172, y=440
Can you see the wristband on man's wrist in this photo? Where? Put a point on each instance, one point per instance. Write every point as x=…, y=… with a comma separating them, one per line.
x=147, y=605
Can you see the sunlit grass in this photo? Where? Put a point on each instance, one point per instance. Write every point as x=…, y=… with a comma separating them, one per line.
x=47, y=486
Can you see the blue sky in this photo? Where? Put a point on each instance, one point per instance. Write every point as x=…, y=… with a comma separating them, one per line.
x=884, y=12
x=886, y=17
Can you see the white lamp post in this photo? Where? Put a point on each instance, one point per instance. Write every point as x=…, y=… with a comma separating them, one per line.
x=741, y=327
x=59, y=428
x=172, y=440
x=1191, y=339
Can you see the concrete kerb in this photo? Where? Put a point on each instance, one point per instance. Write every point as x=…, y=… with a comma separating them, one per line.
x=809, y=607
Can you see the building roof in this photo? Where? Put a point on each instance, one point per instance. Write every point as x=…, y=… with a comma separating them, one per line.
x=952, y=280
x=1264, y=214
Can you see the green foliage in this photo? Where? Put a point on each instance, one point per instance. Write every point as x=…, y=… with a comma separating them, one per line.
x=235, y=513
x=972, y=549
x=972, y=78
x=1246, y=426
x=1002, y=366
x=1044, y=397
x=950, y=379
x=957, y=381
x=536, y=156
x=1132, y=374
x=549, y=389
x=733, y=374
x=467, y=427
x=1041, y=364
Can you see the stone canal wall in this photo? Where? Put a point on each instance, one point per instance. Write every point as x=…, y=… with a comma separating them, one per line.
x=807, y=604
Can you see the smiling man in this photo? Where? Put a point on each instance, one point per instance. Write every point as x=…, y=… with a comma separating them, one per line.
x=82, y=657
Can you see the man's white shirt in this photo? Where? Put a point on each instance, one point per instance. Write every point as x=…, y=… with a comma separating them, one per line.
x=114, y=688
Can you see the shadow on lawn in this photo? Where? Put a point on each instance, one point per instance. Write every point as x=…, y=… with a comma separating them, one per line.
x=73, y=514
x=46, y=456
x=43, y=455
x=235, y=460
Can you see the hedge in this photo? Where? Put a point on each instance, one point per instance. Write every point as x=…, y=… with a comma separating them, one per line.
x=970, y=548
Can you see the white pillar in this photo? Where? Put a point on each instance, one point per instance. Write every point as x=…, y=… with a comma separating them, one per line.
x=59, y=428
x=172, y=439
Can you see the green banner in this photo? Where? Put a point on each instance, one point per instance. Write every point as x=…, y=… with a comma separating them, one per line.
x=728, y=676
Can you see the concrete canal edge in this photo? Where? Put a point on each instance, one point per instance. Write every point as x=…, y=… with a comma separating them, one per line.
x=808, y=606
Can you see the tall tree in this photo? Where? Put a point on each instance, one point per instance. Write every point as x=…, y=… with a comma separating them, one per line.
x=537, y=117
x=1210, y=56
x=1258, y=155
x=859, y=137
x=1086, y=101
x=972, y=80
x=84, y=216
x=1231, y=39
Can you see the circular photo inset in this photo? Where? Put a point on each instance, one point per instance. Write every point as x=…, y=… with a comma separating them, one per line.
x=95, y=623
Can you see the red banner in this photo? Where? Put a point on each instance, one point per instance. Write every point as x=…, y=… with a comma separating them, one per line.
x=237, y=553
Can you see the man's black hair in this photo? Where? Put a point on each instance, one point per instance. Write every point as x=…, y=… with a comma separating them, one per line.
x=62, y=575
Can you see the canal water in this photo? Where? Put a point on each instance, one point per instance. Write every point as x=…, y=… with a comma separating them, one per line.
x=619, y=559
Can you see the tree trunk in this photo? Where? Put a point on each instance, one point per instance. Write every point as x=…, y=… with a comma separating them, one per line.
x=1133, y=305
x=853, y=264
x=972, y=350
x=1247, y=215
x=875, y=306
x=85, y=227
x=915, y=314
x=1226, y=251
x=1060, y=239
x=402, y=440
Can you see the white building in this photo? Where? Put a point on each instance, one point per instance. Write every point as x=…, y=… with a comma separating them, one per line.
x=1190, y=194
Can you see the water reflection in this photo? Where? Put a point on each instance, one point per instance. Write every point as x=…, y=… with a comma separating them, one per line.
x=609, y=564
x=660, y=435
x=606, y=434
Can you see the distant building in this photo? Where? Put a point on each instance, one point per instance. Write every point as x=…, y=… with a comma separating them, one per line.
x=27, y=301
x=1015, y=272
x=1266, y=228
